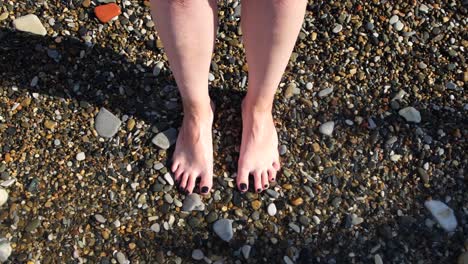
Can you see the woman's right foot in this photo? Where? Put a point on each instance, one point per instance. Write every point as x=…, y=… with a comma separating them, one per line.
x=193, y=155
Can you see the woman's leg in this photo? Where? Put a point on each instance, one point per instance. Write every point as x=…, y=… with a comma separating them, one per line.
x=187, y=30
x=270, y=30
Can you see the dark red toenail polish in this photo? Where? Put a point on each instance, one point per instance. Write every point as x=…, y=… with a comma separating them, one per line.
x=181, y=189
x=259, y=190
x=204, y=189
x=243, y=186
x=273, y=179
x=266, y=185
x=187, y=192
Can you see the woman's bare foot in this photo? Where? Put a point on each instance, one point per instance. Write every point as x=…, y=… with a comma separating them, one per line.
x=193, y=155
x=259, y=149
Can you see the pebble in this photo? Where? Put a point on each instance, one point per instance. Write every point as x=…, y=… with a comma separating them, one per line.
x=121, y=258
x=327, y=128
x=394, y=19
x=106, y=123
x=316, y=219
x=49, y=124
x=167, y=176
x=423, y=174
x=295, y=227
x=107, y=12
x=272, y=193
x=337, y=28
x=157, y=68
x=325, y=92
x=398, y=26
x=30, y=23
x=378, y=259
x=356, y=220
x=80, y=156
x=410, y=114
x=287, y=260
x=3, y=196
x=193, y=202
x=223, y=228
x=424, y=8
x=256, y=204
x=155, y=227
x=86, y=3
x=197, y=254
x=246, y=251
x=309, y=86
x=5, y=250
x=3, y=16
x=166, y=138
x=271, y=209
x=101, y=219
x=34, y=81
x=283, y=149
x=297, y=201
x=463, y=258
x=211, y=77
x=443, y=214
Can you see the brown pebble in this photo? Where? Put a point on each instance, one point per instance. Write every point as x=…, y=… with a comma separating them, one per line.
x=316, y=147
x=256, y=204
x=130, y=124
x=49, y=124
x=132, y=246
x=86, y=3
x=297, y=201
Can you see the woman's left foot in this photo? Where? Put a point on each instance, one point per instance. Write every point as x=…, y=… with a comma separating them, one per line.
x=259, y=149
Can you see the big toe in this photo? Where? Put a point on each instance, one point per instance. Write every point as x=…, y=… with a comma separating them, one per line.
x=205, y=183
x=243, y=180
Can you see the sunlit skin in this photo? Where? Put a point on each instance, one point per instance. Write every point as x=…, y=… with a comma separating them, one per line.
x=187, y=30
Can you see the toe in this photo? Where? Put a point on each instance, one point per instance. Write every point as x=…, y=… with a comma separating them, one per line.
x=191, y=183
x=183, y=181
x=265, y=182
x=178, y=174
x=276, y=165
x=258, y=181
x=174, y=166
x=206, y=183
x=272, y=175
x=243, y=180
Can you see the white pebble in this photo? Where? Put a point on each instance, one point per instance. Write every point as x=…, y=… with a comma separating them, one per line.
x=394, y=19
x=272, y=209
x=337, y=28
x=378, y=259
x=101, y=219
x=443, y=214
x=327, y=128
x=155, y=227
x=309, y=86
x=80, y=156
x=3, y=196
x=5, y=249
x=211, y=77
x=168, y=178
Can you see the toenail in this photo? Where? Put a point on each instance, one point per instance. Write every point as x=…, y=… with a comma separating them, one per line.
x=181, y=189
x=273, y=179
x=243, y=186
x=266, y=185
x=259, y=190
x=204, y=189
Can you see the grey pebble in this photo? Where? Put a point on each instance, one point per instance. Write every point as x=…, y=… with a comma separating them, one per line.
x=165, y=139
x=106, y=123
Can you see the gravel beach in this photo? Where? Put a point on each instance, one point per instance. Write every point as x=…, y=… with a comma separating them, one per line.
x=371, y=116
